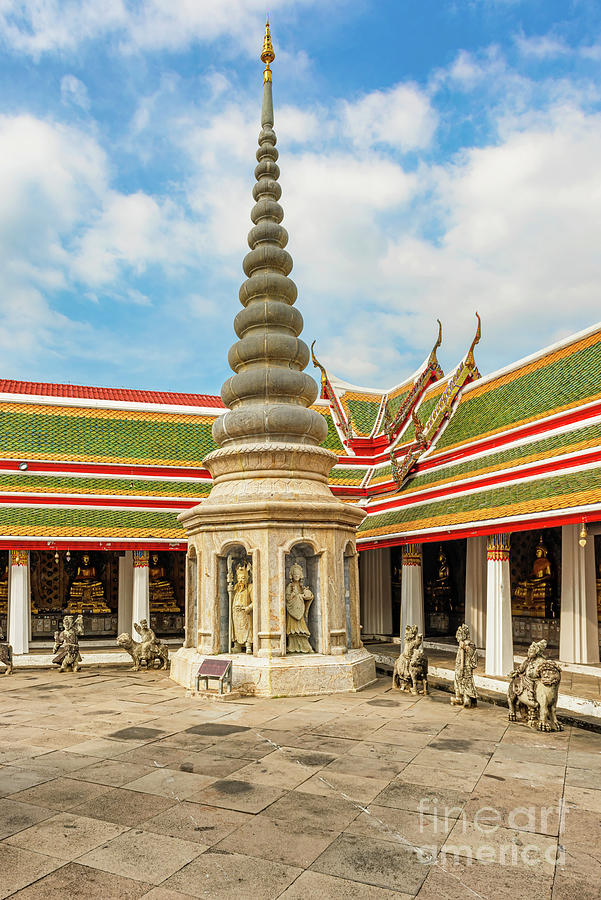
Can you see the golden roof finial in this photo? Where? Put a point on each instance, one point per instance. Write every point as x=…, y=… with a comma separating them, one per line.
x=469, y=359
x=267, y=53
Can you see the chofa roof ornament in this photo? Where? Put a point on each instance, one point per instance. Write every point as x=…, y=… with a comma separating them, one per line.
x=425, y=434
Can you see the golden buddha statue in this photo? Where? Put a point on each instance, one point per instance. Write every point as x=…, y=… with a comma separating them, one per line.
x=3, y=590
x=440, y=589
x=534, y=595
x=87, y=593
x=161, y=594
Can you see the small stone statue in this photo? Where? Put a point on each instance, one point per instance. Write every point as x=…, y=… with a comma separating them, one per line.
x=242, y=605
x=535, y=686
x=465, y=663
x=6, y=655
x=66, y=644
x=146, y=651
x=412, y=665
x=298, y=600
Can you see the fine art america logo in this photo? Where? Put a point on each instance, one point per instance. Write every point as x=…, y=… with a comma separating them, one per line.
x=520, y=836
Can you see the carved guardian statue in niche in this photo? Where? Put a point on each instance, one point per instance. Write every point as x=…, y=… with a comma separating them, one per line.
x=298, y=601
x=242, y=606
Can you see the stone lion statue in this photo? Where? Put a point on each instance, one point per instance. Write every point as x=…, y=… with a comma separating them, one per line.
x=534, y=688
x=412, y=665
x=147, y=652
x=6, y=655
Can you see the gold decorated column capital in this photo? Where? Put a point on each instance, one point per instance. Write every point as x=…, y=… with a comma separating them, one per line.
x=497, y=546
x=140, y=558
x=412, y=554
x=19, y=557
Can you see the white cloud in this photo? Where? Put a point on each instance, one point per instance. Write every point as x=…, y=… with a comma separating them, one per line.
x=400, y=117
x=74, y=91
x=135, y=231
x=63, y=226
x=41, y=26
x=544, y=46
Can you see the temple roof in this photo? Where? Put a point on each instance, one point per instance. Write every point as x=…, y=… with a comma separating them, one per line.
x=517, y=447
x=78, y=391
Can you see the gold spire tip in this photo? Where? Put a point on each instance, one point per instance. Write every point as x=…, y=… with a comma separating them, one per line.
x=267, y=53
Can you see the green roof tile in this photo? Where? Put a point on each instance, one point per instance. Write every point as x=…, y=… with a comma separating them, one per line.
x=564, y=381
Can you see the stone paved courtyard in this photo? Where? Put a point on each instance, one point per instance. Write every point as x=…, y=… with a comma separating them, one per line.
x=119, y=785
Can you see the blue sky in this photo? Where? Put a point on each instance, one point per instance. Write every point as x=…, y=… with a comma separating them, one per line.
x=437, y=158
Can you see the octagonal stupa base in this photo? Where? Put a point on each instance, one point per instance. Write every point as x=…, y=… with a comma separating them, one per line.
x=296, y=675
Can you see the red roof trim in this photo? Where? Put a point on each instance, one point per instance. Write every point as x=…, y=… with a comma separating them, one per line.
x=43, y=543
x=550, y=520
x=87, y=469
x=81, y=392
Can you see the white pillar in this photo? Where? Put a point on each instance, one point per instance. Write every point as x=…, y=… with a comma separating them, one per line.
x=140, y=593
x=499, y=637
x=19, y=605
x=376, y=592
x=475, y=589
x=578, y=629
x=412, y=588
x=126, y=588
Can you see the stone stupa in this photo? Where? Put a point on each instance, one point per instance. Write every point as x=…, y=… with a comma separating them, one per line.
x=272, y=576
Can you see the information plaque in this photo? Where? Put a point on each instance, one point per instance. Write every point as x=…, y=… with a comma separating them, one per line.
x=215, y=668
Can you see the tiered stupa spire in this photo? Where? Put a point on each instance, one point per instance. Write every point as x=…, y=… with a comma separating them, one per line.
x=269, y=396
x=271, y=513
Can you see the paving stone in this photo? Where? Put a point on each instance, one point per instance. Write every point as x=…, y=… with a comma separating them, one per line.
x=515, y=804
x=217, y=729
x=299, y=809
x=20, y=867
x=420, y=798
x=240, y=795
x=161, y=893
x=439, y=778
x=583, y=798
x=271, y=839
x=365, y=767
x=103, y=748
x=74, y=880
x=61, y=793
x=315, y=886
x=503, y=846
x=276, y=770
x=381, y=863
x=16, y=816
x=231, y=876
x=457, y=879
x=402, y=826
x=348, y=787
x=169, y=783
x=194, y=822
x=533, y=772
x=138, y=854
x=249, y=755
x=137, y=733
x=583, y=778
x=13, y=780
x=65, y=836
x=125, y=807
x=58, y=762
x=112, y=772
